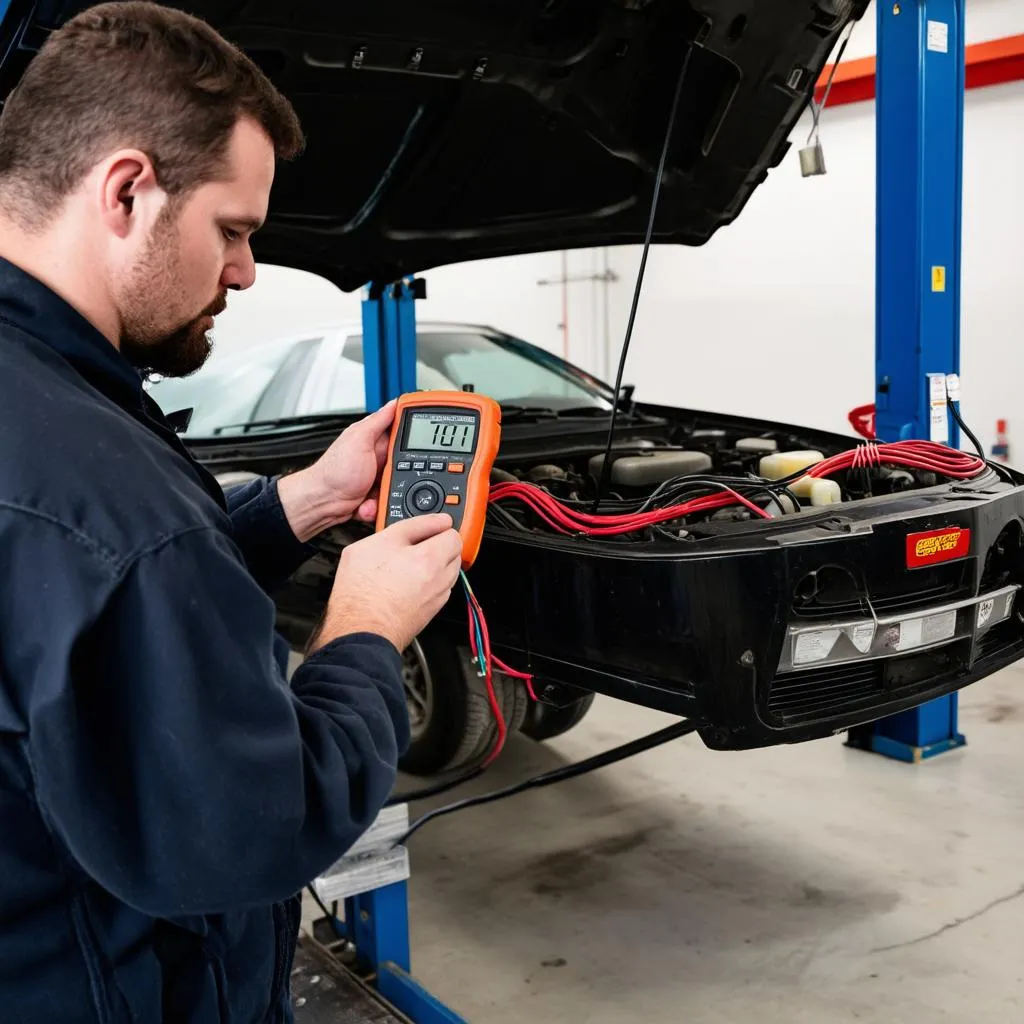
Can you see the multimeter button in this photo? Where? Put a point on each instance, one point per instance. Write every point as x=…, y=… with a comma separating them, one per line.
x=456, y=467
x=452, y=499
x=437, y=466
x=403, y=465
x=419, y=465
x=425, y=498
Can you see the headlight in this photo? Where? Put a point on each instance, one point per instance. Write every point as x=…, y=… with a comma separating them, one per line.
x=837, y=642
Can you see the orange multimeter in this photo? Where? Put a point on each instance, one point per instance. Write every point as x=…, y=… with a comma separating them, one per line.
x=443, y=445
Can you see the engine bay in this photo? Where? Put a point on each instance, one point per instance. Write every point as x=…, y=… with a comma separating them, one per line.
x=657, y=490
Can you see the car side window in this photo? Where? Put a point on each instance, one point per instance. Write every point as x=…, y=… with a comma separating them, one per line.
x=347, y=392
x=496, y=369
x=281, y=396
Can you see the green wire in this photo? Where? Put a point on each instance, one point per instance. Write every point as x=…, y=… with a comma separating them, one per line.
x=475, y=619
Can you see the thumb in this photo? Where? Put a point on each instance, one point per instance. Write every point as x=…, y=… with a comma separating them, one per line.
x=378, y=422
x=420, y=528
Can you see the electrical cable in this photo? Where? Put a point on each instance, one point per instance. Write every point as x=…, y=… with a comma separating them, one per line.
x=570, y=771
x=924, y=455
x=566, y=520
x=954, y=408
x=442, y=786
x=673, y=112
x=332, y=918
x=480, y=645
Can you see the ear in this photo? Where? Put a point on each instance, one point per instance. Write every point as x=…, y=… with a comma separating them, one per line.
x=130, y=197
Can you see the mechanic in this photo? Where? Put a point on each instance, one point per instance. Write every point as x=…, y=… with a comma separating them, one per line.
x=165, y=793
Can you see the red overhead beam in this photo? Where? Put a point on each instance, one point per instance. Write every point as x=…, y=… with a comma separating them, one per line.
x=991, y=63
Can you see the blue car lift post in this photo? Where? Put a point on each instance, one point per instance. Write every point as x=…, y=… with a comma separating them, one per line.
x=919, y=169
x=376, y=920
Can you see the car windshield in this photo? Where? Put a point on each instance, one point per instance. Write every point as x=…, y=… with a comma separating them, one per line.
x=288, y=383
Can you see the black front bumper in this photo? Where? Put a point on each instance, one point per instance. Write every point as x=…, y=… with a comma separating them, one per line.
x=700, y=631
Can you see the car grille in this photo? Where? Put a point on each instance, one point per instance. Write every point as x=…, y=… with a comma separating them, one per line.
x=820, y=693
x=939, y=585
x=998, y=640
x=816, y=694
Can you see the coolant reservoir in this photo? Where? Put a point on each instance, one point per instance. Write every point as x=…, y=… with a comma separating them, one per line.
x=825, y=492
x=783, y=464
x=650, y=468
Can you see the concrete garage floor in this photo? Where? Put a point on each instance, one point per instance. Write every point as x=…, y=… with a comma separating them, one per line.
x=805, y=884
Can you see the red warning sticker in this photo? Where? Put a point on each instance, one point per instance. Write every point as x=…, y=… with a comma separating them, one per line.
x=938, y=546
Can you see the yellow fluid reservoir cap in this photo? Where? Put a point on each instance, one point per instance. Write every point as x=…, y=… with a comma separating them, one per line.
x=783, y=464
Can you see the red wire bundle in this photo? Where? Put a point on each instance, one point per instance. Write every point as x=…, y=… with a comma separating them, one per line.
x=923, y=455
x=565, y=519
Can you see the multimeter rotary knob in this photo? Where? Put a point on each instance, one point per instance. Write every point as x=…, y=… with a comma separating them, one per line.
x=424, y=498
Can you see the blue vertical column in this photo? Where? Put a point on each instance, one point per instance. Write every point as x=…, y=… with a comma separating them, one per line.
x=378, y=924
x=919, y=132
x=389, y=339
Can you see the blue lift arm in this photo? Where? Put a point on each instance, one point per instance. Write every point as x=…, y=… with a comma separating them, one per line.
x=919, y=195
x=389, y=339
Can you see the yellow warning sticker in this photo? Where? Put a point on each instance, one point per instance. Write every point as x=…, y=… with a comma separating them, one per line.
x=938, y=279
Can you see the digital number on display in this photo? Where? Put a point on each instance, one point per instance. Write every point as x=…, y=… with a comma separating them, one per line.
x=441, y=433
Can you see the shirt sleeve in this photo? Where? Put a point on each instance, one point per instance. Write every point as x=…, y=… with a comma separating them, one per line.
x=262, y=533
x=177, y=764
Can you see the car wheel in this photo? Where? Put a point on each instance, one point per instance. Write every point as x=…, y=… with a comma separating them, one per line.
x=545, y=721
x=450, y=717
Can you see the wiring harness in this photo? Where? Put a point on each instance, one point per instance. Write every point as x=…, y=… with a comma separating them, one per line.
x=487, y=662
x=714, y=493
x=923, y=455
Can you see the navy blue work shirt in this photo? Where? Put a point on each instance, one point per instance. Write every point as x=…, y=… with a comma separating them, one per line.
x=165, y=793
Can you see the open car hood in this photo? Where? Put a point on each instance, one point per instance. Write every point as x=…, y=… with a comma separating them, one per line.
x=440, y=131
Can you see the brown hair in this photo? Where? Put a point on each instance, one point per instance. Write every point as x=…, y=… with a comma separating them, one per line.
x=136, y=75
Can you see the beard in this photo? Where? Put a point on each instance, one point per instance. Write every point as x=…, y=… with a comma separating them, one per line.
x=178, y=354
x=154, y=339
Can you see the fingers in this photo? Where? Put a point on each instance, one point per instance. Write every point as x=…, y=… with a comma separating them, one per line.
x=367, y=511
x=421, y=528
x=454, y=541
x=379, y=422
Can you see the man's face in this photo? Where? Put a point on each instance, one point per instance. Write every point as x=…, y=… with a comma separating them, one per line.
x=198, y=249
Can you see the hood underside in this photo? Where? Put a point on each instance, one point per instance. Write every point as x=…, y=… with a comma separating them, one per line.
x=440, y=131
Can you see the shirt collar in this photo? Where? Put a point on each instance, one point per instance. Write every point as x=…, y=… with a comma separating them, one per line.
x=27, y=303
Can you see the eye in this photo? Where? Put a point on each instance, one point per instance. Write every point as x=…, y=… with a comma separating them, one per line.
x=230, y=235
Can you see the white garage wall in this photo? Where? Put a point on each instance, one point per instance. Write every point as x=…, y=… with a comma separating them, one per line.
x=986, y=19
x=775, y=316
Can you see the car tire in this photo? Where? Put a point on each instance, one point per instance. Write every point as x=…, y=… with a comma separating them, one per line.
x=545, y=721
x=450, y=716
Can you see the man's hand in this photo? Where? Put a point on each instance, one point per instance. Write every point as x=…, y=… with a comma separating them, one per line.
x=394, y=582
x=343, y=483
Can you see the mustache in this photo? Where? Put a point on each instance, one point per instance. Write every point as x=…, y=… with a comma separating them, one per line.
x=216, y=307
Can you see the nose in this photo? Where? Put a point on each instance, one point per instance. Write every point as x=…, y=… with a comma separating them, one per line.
x=240, y=272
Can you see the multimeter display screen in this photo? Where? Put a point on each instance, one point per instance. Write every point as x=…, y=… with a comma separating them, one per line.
x=440, y=432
